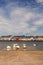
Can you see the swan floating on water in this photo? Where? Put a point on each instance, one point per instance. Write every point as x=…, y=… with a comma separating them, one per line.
x=34, y=45
x=24, y=46
x=8, y=48
x=16, y=46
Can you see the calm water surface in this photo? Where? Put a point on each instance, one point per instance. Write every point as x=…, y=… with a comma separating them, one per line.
x=30, y=45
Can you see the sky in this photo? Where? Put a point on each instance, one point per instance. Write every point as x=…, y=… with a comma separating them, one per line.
x=21, y=17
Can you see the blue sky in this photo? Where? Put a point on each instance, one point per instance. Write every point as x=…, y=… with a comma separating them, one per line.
x=21, y=17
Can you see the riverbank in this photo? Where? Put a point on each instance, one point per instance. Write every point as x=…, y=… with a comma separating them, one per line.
x=21, y=41
x=21, y=57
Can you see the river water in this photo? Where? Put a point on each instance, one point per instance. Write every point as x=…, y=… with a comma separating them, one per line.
x=30, y=45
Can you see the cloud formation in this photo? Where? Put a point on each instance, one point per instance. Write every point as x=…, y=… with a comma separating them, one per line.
x=39, y=1
x=20, y=20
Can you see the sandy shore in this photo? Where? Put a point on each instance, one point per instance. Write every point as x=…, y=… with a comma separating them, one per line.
x=21, y=57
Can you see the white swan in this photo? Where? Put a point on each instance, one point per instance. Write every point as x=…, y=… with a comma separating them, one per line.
x=16, y=46
x=34, y=44
x=8, y=48
x=24, y=46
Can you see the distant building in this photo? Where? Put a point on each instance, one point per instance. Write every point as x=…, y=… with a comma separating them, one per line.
x=22, y=38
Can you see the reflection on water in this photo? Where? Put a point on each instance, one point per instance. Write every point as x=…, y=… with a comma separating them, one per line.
x=30, y=45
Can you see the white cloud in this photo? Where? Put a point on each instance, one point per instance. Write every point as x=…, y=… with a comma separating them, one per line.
x=20, y=17
x=39, y=1
x=38, y=22
x=18, y=22
x=34, y=28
